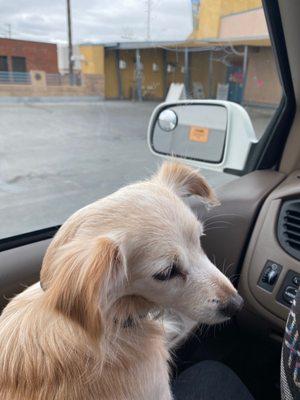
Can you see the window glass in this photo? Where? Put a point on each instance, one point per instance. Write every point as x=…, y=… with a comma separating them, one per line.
x=79, y=81
x=18, y=64
x=3, y=63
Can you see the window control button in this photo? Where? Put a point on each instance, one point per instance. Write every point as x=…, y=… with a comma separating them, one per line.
x=289, y=294
x=296, y=280
x=288, y=288
x=270, y=276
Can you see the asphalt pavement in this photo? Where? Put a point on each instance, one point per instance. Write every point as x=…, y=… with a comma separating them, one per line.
x=56, y=158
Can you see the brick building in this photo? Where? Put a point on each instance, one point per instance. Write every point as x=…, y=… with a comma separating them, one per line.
x=26, y=56
x=30, y=69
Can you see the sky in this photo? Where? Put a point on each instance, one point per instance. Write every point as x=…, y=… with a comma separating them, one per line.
x=99, y=21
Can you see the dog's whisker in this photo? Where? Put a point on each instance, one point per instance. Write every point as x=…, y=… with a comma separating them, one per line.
x=212, y=228
x=234, y=277
x=217, y=222
x=229, y=266
x=218, y=216
x=214, y=259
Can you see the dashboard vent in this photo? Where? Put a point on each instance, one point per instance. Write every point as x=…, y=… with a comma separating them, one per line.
x=288, y=229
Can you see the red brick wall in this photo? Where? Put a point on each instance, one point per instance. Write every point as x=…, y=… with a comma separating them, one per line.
x=39, y=56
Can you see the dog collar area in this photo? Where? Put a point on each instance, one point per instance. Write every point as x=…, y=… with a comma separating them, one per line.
x=130, y=322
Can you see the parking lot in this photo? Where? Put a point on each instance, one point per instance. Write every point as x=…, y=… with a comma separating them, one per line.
x=56, y=158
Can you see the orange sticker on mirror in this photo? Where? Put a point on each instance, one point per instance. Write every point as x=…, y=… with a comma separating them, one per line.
x=198, y=134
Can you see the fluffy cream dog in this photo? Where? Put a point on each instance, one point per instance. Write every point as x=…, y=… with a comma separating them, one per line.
x=94, y=330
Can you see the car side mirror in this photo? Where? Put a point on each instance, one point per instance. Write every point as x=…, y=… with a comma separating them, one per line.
x=212, y=134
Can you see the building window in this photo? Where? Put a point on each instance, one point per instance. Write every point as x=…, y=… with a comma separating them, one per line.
x=3, y=64
x=19, y=64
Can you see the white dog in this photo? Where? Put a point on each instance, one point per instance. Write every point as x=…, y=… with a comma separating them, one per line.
x=94, y=330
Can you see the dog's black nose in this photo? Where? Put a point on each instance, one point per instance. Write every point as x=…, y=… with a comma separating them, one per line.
x=232, y=306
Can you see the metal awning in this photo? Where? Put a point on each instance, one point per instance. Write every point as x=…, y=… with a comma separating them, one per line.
x=192, y=44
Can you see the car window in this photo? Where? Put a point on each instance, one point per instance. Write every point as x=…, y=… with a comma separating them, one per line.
x=79, y=81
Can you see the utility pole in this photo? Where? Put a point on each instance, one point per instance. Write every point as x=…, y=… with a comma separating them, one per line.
x=186, y=73
x=138, y=74
x=70, y=52
x=9, y=30
x=148, y=36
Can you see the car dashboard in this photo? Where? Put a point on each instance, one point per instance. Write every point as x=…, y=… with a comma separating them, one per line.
x=270, y=273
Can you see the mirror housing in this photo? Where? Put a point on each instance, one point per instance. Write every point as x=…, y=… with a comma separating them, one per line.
x=211, y=134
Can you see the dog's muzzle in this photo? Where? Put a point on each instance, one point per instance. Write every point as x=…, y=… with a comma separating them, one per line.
x=232, y=306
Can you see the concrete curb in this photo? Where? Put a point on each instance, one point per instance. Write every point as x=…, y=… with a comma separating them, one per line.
x=6, y=100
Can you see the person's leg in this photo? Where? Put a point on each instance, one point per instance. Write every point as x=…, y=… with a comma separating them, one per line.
x=210, y=380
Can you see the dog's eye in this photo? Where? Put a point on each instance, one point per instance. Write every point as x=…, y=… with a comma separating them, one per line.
x=168, y=273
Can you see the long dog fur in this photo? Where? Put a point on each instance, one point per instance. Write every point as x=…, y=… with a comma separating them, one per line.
x=88, y=333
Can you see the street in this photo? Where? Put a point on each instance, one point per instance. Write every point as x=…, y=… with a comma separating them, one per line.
x=56, y=158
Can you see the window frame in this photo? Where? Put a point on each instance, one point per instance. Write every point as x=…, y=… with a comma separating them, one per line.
x=266, y=154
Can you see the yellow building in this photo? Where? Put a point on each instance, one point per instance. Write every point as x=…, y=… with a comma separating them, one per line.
x=93, y=59
x=122, y=76
x=207, y=58
x=212, y=11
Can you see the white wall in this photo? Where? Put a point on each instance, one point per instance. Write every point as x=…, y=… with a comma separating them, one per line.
x=63, y=61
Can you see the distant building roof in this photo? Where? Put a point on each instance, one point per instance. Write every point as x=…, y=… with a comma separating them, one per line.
x=2, y=38
x=136, y=44
x=195, y=44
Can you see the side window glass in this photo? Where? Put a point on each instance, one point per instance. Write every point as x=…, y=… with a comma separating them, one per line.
x=79, y=81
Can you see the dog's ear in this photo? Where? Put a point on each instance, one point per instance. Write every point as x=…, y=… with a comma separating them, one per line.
x=185, y=181
x=86, y=273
